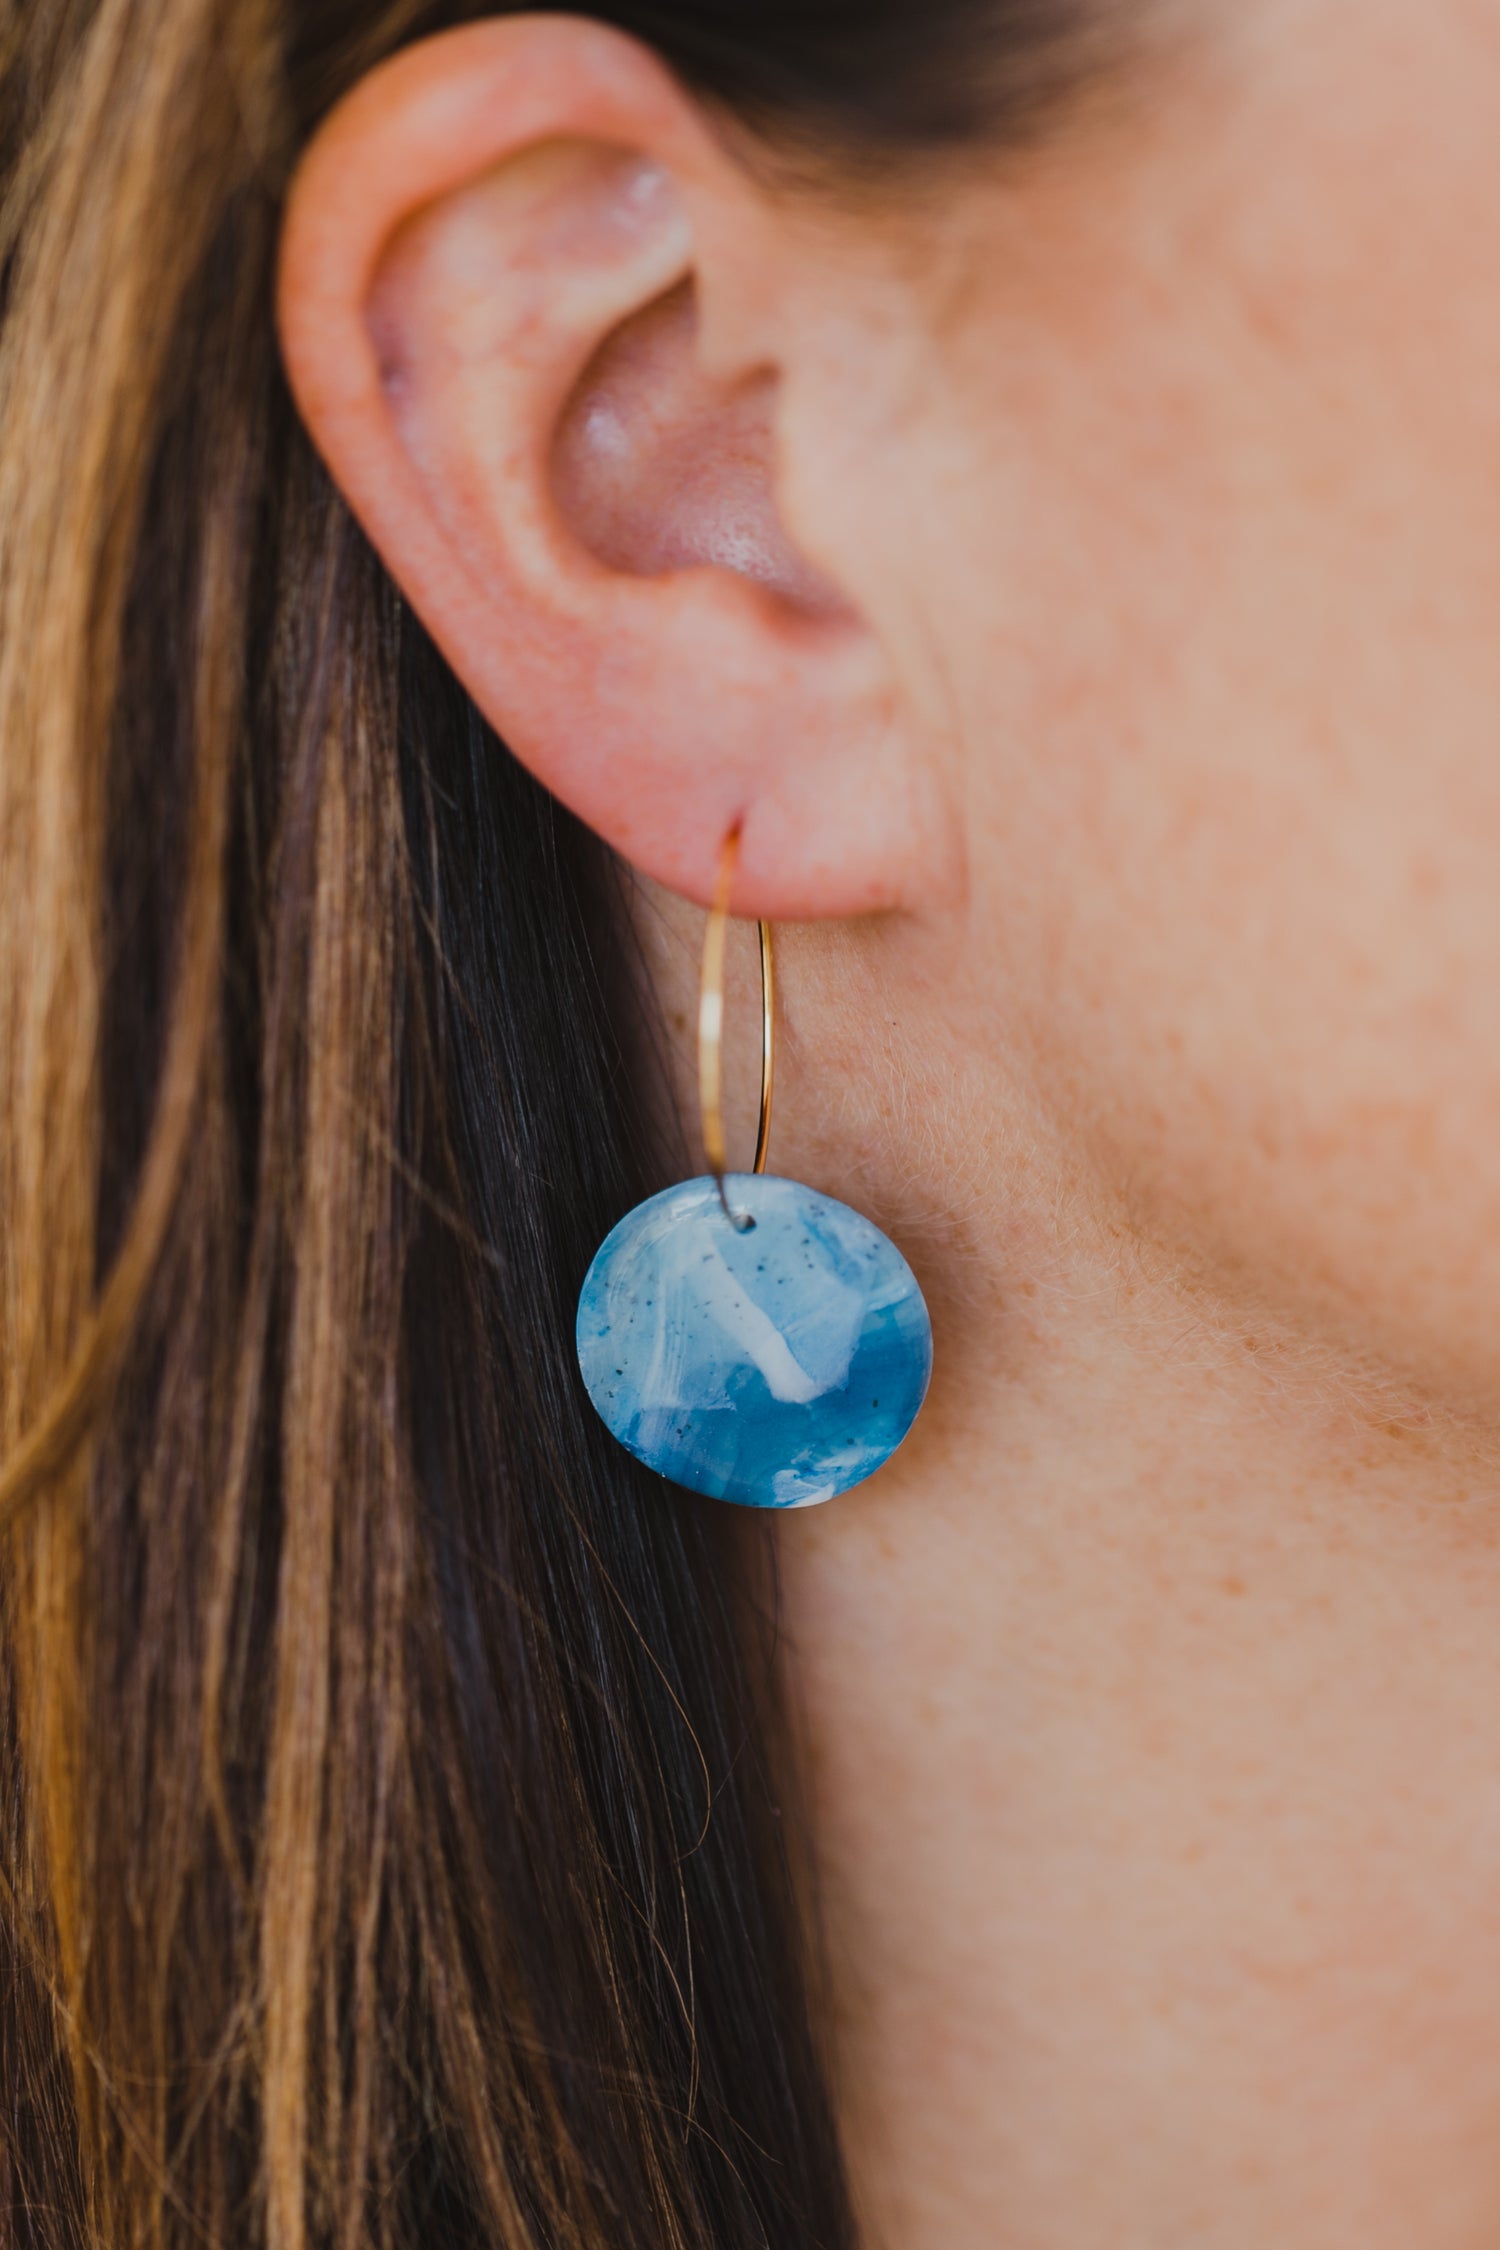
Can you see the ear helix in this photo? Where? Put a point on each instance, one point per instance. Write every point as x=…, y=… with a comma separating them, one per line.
x=742, y=1334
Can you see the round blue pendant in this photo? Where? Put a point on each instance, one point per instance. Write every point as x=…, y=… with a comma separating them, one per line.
x=774, y=1364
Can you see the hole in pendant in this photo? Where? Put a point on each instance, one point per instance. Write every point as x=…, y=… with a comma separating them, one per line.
x=741, y=1221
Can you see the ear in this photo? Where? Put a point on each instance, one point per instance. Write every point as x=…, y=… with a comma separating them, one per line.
x=492, y=260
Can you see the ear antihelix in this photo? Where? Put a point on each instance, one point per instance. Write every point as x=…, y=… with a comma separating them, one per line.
x=742, y=1334
x=524, y=269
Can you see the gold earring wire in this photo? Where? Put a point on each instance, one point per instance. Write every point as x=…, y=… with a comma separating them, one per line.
x=711, y=1025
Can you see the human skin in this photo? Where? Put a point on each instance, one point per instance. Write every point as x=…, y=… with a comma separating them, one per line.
x=1151, y=1696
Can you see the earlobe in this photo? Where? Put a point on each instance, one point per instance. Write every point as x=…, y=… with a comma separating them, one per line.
x=486, y=308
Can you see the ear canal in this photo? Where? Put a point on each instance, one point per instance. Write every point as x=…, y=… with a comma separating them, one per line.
x=659, y=467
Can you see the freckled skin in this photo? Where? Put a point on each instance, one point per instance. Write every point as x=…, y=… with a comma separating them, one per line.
x=1083, y=571
x=1153, y=1692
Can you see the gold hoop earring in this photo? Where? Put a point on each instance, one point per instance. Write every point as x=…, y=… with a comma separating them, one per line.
x=742, y=1334
x=711, y=1027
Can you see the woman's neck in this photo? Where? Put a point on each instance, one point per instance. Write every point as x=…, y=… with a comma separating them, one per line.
x=1150, y=1698
x=1152, y=1702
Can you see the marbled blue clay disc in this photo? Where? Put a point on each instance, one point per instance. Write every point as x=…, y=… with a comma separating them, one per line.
x=775, y=1366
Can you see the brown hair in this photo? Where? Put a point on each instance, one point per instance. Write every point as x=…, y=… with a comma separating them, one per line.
x=388, y=1849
